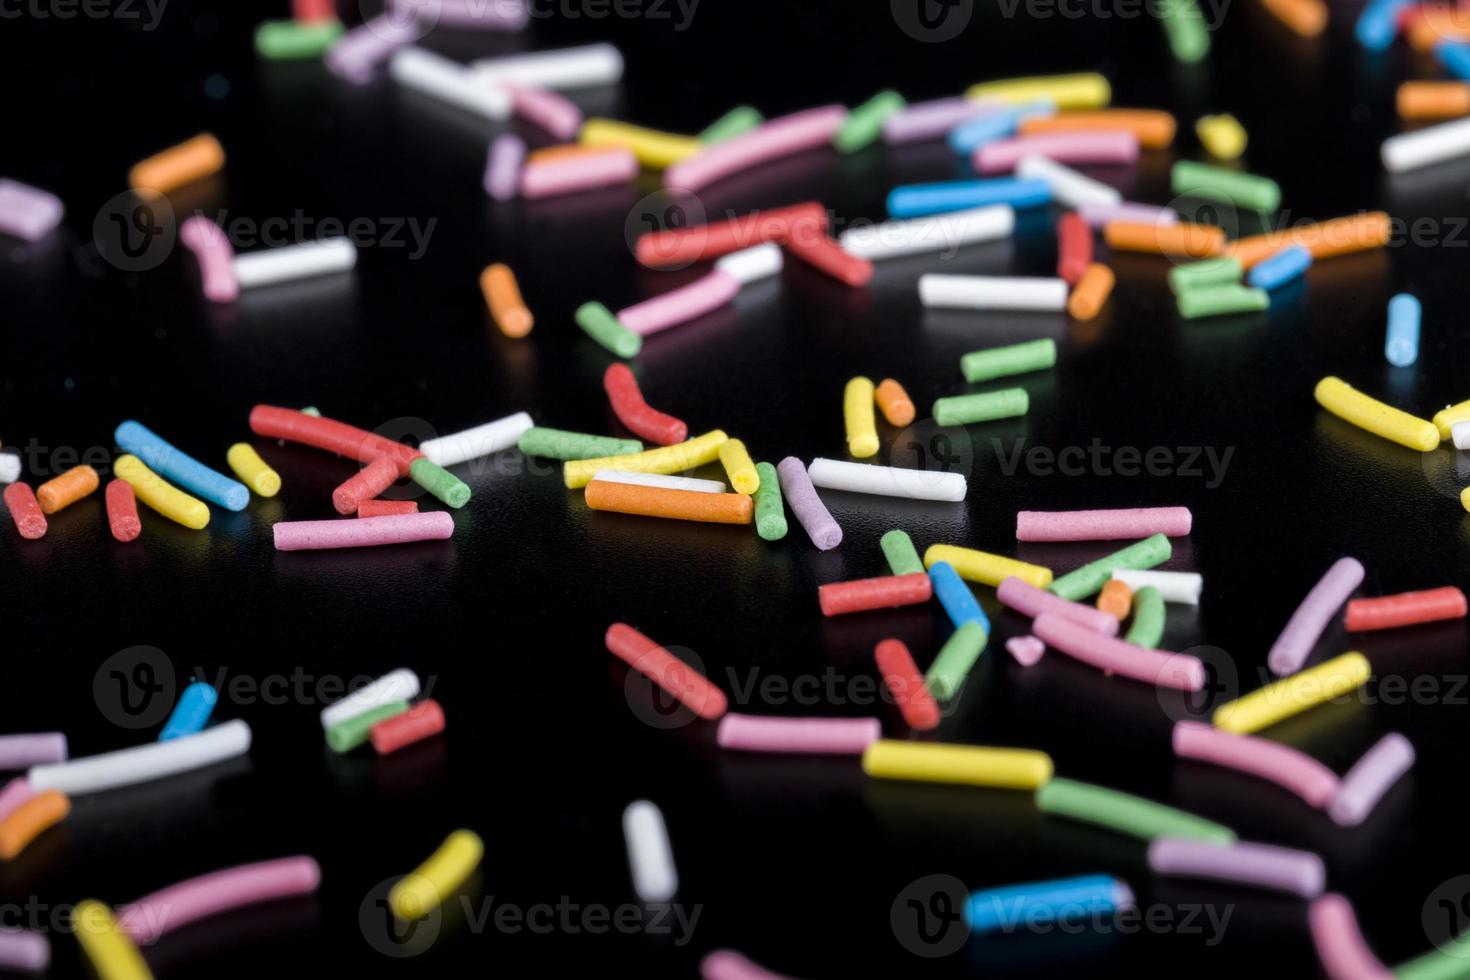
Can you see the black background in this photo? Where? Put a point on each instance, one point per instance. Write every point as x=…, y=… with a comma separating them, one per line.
x=795, y=861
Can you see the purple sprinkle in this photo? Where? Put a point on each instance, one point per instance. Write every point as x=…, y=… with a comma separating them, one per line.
x=27, y=212
x=802, y=497
x=503, y=166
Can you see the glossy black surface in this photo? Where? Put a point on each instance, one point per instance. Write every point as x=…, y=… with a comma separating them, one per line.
x=795, y=861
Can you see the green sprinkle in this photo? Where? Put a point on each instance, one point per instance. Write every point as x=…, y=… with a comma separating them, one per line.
x=598, y=323
x=948, y=671
x=348, y=735
x=1450, y=961
x=559, y=444
x=313, y=411
x=1126, y=813
x=1220, y=300
x=864, y=124
x=1207, y=272
x=1188, y=37
x=279, y=40
x=1148, y=618
x=439, y=481
x=1227, y=186
x=741, y=119
x=986, y=407
x=1087, y=580
x=999, y=362
x=770, y=512
x=903, y=557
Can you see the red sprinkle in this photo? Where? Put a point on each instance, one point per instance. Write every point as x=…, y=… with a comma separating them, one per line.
x=1074, y=247
x=386, y=508
x=24, y=510
x=1405, y=609
x=122, y=510
x=685, y=246
x=331, y=435
x=630, y=408
x=825, y=255
x=367, y=483
x=423, y=720
x=906, y=684
x=685, y=684
x=863, y=594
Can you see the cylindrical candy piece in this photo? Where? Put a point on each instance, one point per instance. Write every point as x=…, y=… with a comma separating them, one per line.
x=598, y=322
x=1102, y=525
x=1279, y=269
x=1126, y=813
x=112, y=955
x=1000, y=362
x=1074, y=247
x=937, y=233
x=31, y=819
x=1341, y=948
x=443, y=484
x=1040, y=903
x=1180, y=238
x=1028, y=600
x=24, y=751
x=640, y=419
x=1307, y=624
x=898, y=550
x=1374, y=416
x=1115, y=599
x=253, y=471
x=335, y=437
x=776, y=138
x=955, y=596
x=827, y=255
x=770, y=509
x=397, y=685
x=986, y=406
x=1222, y=270
x=1147, y=628
x=650, y=856
x=192, y=712
x=679, y=247
x=885, y=592
x=811, y=513
x=1370, y=778
x=894, y=402
x=68, y=488
x=20, y=500
x=1283, y=765
x=1091, y=291
x=739, y=467
x=1180, y=587
x=347, y=735
x=887, y=481
x=503, y=297
x=955, y=659
x=992, y=292
x=674, y=676
x=122, y=511
x=684, y=505
x=741, y=119
x=906, y=684
x=1079, y=90
x=503, y=167
x=153, y=760
x=24, y=951
x=1405, y=609
x=1088, y=580
x=1104, y=147
x=864, y=125
x=178, y=165
x=386, y=508
x=1282, y=869
x=921, y=200
x=815, y=736
x=362, y=532
x=1294, y=694
x=971, y=765
x=153, y=916
x=858, y=418
x=985, y=568
x=423, y=720
x=368, y=482
x=158, y=494
x=482, y=440
x=1222, y=301
x=1401, y=346
x=1172, y=670
x=1239, y=190
x=688, y=455
x=434, y=881
x=559, y=444
x=709, y=292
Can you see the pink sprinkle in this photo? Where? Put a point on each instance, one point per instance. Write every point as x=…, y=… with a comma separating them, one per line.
x=27, y=212
x=1102, y=525
x=503, y=166
x=556, y=114
x=787, y=135
x=174, y=907
x=1028, y=650
x=726, y=964
x=1097, y=214
x=1307, y=624
x=358, y=53
x=1280, y=764
x=1341, y=949
x=581, y=172
x=363, y=532
x=709, y=292
x=826, y=736
x=1281, y=869
x=1174, y=670
x=1370, y=778
x=1104, y=146
x=1028, y=600
x=16, y=792
x=215, y=255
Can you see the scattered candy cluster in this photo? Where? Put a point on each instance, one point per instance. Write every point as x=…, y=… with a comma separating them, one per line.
x=1032, y=129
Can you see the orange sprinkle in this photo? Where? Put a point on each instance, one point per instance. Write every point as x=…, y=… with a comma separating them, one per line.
x=67, y=488
x=178, y=165
x=1324, y=239
x=683, y=505
x=27, y=822
x=1428, y=26
x=1306, y=17
x=503, y=297
x=1433, y=100
x=895, y=404
x=1115, y=599
x=1153, y=127
x=1184, y=238
x=1091, y=292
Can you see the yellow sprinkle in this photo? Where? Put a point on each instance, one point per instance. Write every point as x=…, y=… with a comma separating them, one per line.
x=1342, y=400
x=1223, y=137
x=1293, y=695
x=972, y=765
x=110, y=950
x=985, y=568
x=1085, y=90
x=666, y=459
x=653, y=149
x=252, y=470
x=159, y=494
x=420, y=893
x=1446, y=417
x=857, y=415
x=739, y=467
x=1465, y=498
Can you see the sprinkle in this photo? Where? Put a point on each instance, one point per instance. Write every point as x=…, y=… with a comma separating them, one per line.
x=436, y=77
x=707, y=293
x=122, y=511
x=1307, y=624
x=142, y=763
x=885, y=592
x=553, y=114
x=347, y=735
x=684, y=505
x=482, y=440
x=1281, y=869
x=112, y=955
x=1292, y=695
x=894, y=402
x=1002, y=362
x=191, y=713
x=1074, y=248
x=331, y=435
x=650, y=856
x=1180, y=238
x=1101, y=148
x=600, y=167
x=678, y=247
x=770, y=511
x=739, y=120
x=1088, y=580
x=1069, y=188
x=1239, y=190
x=1180, y=587
x=864, y=124
x=857, y=416
x=253, y=471
x=921, y=200
x=1281, y=268
x=688, y=455
x=971, y=765
x=952, y=666
x=289, y=262
x=1341, y=949
x=424, y=720
x=1147, y=628
x=1293, y=771
x=774, y=139
x=503, y=166
x=1401, y=346
x=27, y=212
x=992, y=292
x=739, y=467
x=503, y=297
x=1405, y=609
x=435, y=881
x=178, y=165
x=1152, y=128
x=1040, y=903
x=985, y=568
x=955, y=596
x=676, y=678
x=811, y=513
x=942, y=232
x=887, y=481
x=1172, y=670
x=443, y=484
x=989, y=406
x=598, y=323
x=155, y=915
x=177, y=467
x=904, y=682
x=398, y=685
x=808, y=736
x=66, y=489
x=1223, y=137
x=157, y=493
x=1028, y=600
x=1126, y=813
x=1091, y=291
x=1370, y=778
x=587, y=66
x=1083, y=90
x=365, y=532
